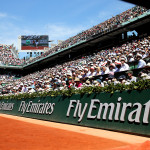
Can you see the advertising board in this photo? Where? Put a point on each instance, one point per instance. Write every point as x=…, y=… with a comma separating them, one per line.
x=125, y=112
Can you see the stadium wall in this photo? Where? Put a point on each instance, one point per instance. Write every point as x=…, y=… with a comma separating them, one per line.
x=125, y=112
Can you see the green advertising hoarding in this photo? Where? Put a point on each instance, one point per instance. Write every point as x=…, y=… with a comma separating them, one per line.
x=125, y=112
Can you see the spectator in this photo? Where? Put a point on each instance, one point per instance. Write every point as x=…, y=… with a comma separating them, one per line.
x=77, y=84
x=105, y=70
x=98, y=71
x=124, y=66
x=85, y=73
x=131, y=78
x=118, y=66
x=112, y=69
x=130, y=57
x=141, y=62
x=92, y=71
x=24, y=89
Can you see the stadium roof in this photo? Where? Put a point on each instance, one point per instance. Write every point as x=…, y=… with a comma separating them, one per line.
x=145, y=3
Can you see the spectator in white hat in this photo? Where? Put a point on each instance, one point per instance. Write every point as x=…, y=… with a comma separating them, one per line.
x=124, y=66
x=130, y=58
x=141, y=62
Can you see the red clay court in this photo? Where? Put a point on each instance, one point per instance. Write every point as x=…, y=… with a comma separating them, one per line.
x=30, y=134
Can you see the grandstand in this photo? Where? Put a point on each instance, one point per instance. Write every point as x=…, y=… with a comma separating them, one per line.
x=8, y=56
x=96, y=52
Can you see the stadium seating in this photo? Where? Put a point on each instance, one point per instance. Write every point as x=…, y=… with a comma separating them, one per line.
x=109, y=65
x=7, y=57
x=101, y=28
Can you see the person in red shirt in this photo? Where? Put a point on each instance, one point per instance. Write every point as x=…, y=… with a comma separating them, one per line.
x=78, y=84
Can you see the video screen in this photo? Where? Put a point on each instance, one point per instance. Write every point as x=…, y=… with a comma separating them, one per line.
x=34, y=42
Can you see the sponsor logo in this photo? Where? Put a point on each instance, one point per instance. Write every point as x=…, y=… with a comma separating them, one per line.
x=6, y=106
x=109, y=111
x=36, y=108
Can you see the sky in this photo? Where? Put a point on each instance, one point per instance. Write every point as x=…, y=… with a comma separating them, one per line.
x=60, y=19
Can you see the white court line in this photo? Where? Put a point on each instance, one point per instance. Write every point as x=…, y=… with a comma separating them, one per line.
x=127, y=138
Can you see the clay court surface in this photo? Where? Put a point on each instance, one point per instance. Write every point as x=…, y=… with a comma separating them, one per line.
x=18, y=133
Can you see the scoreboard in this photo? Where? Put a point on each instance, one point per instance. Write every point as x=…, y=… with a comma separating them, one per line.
x=34, y=42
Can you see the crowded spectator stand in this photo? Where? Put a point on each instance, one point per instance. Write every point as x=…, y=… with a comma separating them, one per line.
x=7, y=57
x=107, y=66
x=100, y=29
x=100, y=69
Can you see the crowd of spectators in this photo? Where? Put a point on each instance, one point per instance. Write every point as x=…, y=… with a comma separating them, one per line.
x=82, y=72
x=101, y=28
x=88, y=70
x=7, y=57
